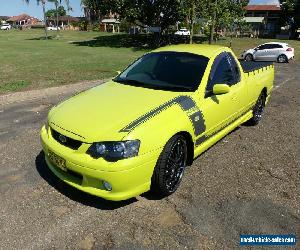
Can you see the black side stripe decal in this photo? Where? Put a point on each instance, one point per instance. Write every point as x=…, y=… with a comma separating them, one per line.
x=198, y=122
x=186, y=103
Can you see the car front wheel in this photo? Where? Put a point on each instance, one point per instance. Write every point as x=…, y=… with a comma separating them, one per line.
x=170, y=167
x=248, y=58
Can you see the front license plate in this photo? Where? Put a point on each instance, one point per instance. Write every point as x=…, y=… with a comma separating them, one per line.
x=57, y=160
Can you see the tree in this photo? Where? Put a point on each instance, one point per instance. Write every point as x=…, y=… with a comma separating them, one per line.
x=52, y=13
x=290, y=10
x=160, y=13
x=222, y=14
x=191, y=9
x=57, y=3
x=43, y=2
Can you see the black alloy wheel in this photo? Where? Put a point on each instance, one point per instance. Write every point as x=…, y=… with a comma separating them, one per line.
x=248, y=58
x=258, y=109
x=170, y=166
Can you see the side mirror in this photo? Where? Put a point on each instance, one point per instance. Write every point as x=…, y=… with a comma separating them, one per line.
x=256, y=48
x=220, y=89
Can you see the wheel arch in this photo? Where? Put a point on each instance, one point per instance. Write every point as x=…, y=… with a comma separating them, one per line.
x=264, y=91
x=284, y=55
x=190, y=146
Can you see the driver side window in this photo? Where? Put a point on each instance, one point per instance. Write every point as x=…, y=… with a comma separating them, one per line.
x=262, y=47
x=221, y=73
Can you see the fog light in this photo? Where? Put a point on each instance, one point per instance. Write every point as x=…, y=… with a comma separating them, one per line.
x=107, y=186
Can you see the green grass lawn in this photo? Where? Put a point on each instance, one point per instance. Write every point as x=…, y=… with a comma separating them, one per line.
x=27, y=61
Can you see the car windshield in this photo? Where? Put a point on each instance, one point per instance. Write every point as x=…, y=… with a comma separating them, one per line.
x=175, y=71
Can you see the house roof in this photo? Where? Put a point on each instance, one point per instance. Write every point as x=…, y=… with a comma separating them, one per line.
x=19, y=18
x=262, y=8
x=65, y=18
x=252, y=19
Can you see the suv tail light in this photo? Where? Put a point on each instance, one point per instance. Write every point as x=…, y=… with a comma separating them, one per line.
x=289, y=49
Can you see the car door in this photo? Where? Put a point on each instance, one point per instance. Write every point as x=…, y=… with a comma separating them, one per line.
x=260, y=53
x=219, y=110
x=273, y=52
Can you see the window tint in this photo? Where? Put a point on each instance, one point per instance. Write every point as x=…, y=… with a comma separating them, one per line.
x=235, y=68
x=275, y=46
x=178, y=71
x=262, y=47
x=221, y=73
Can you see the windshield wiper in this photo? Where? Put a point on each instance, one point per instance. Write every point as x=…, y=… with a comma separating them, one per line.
x=130, y=81
x=159, y=86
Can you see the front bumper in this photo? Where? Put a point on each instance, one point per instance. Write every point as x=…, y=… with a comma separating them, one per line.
x=128, y=178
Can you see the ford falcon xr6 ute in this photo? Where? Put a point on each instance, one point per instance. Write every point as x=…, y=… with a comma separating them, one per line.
x=139, y=131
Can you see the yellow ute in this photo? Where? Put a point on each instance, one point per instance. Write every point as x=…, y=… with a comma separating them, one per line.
x=140, y=130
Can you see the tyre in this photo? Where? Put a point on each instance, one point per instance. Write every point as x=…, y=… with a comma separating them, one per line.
x=258, y=109
x=170, y=167
x=249, y=57
x=282, y=59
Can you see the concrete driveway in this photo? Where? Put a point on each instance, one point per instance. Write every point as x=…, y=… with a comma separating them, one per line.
x=249, y=182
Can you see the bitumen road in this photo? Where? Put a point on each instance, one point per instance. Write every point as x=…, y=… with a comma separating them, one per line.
x=248, y=183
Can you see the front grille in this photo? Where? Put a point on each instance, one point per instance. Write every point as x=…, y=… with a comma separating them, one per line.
x=64, y=140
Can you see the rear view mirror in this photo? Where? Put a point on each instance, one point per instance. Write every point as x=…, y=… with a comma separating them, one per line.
x=220, y=89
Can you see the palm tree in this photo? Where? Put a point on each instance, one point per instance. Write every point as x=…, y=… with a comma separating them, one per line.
x=58, y=2
x=43, y=2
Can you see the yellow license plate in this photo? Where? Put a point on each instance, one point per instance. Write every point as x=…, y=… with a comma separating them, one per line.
x=57, y=161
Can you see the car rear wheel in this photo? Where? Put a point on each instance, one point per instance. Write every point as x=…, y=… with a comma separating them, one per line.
x=282, y=59
x=258, y=109
x=170, y=167
x=249, y=57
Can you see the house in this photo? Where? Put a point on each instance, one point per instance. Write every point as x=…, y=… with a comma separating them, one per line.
x=110, y=25
x=65, y=22
x=264, y=19
x=22, y=20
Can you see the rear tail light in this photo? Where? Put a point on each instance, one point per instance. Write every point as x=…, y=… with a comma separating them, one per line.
x=289, y=49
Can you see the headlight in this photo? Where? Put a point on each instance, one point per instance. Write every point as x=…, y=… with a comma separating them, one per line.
x=114, y=151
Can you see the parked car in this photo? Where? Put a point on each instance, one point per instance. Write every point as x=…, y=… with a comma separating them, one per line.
x=140, y=130
x=274, y=51
x=53, y=28
x=182, y=32
x=5, y=26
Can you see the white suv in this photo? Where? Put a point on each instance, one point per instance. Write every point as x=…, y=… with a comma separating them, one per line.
x=183, y=32
x=5, y=26
x=274, y=51
x=53, y=28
